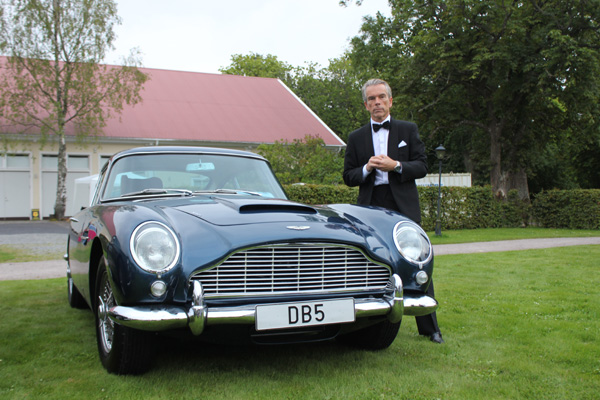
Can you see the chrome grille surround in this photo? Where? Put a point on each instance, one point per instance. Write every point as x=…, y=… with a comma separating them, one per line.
x=291, y=269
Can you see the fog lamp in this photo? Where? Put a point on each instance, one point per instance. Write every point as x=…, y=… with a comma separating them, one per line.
x=158, y=288
x=422, y=277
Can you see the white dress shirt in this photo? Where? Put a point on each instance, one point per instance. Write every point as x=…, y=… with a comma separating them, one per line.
x=380, y=145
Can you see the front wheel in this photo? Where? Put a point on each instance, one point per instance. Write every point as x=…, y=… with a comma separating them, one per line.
x=122, y=350
x=375, y=337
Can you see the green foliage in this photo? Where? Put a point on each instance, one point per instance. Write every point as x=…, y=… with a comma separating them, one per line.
x=322, y=194
x=53, y=78
x=477, y=207
x=471, y=208
x=333, y=93
x=304, y=161
x=495, y=82
x=258, y=65
x=573, y=209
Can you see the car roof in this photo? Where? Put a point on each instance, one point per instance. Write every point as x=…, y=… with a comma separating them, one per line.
x=186, y=149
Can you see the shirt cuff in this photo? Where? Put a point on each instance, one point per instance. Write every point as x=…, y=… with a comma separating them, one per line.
x=365, y=173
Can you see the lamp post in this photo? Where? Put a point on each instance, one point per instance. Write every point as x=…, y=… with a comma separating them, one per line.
x=440, y=152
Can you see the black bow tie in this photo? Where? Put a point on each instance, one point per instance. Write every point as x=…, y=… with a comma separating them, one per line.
x=385, y=125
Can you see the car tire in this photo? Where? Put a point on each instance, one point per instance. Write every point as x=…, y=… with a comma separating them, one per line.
x=76, y=300
x=375, y=337
x=122, y=350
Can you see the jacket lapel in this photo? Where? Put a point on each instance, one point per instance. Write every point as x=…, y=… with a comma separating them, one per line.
x=369, y=148
x=393, y=140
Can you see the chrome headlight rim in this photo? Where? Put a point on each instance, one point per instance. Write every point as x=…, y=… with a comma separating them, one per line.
x=412, y=225
x=139, y=261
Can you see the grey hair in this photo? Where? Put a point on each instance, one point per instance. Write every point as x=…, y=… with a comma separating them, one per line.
x=372, y=82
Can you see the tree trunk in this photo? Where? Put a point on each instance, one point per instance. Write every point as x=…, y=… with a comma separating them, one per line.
x=515, y=180
x=61, y=183
x=503, y=180
x=496, y=161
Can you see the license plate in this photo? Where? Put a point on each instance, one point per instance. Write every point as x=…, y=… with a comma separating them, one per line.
x=293, y=315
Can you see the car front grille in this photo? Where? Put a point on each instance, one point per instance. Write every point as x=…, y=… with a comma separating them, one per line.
x=293, y=269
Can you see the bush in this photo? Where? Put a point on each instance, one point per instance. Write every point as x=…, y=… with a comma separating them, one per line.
x=572, y=209
x=476, y=207
x=322, y=194
x=471, y=208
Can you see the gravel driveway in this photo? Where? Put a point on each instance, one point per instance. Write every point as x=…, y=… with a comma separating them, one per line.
x=35, y=237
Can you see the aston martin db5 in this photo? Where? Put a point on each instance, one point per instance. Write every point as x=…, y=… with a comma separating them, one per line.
x=203, y=242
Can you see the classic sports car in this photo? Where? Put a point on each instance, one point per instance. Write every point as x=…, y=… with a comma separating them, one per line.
x=204, y=242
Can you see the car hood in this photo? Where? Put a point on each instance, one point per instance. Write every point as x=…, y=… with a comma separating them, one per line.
x=211, y=227
x=243, y=211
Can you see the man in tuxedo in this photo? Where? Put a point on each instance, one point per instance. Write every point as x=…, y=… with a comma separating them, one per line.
x=383, y=158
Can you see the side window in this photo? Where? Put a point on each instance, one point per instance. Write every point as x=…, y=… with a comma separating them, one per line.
x=98, y=185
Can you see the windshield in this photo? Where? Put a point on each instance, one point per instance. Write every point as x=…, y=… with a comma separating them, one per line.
x=190, y=172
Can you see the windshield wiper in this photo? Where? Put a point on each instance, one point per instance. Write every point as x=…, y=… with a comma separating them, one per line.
x=229, y=191
x=145, y=192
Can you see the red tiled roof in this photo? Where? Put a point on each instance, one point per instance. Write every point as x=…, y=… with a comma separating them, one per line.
x=211, y=107
x=184, y=106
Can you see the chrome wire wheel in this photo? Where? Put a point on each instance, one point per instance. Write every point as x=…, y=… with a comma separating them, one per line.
x=106, y=326
x=122, y=350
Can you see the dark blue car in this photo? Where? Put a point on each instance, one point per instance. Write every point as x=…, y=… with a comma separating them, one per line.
x=204, y=241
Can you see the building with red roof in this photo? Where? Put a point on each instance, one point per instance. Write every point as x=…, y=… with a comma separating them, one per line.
x=177, y=108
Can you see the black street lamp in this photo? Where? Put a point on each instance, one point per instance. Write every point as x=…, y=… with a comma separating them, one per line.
x=440, y=152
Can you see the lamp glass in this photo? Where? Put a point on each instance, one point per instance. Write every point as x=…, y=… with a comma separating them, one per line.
x=440, y=152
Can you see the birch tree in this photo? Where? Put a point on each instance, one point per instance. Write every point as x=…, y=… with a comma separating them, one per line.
x=51, y=81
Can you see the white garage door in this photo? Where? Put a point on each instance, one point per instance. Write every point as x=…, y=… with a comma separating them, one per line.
x=78, y=166
x=15, y=186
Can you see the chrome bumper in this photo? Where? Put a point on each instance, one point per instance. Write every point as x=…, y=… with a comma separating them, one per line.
x=197, y=316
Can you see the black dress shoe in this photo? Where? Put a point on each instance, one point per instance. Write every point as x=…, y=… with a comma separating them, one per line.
x=436, y=338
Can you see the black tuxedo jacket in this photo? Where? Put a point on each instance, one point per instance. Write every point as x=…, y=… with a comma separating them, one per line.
x=404, y=145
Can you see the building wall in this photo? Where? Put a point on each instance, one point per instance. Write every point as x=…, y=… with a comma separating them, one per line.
x=28, y=174
x=28, y=178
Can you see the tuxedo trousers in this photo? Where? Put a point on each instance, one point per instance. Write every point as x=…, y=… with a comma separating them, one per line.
x=382, y=197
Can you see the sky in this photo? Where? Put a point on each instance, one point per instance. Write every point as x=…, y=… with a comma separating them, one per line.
x=202, y=35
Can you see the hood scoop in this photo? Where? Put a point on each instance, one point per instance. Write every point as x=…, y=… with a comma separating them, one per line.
x=221, y=211
x=276, y=208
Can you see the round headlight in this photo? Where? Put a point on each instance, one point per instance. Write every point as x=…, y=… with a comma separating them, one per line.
x=412, y=242
x=154, y=247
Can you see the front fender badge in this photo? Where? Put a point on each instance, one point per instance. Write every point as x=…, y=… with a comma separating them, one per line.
x=298, y=228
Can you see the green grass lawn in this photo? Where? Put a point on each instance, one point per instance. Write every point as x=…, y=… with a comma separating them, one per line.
x=491, y=234
x=517, y=325
x=13, y=254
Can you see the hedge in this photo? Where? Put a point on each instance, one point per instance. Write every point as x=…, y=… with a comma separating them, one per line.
x=572, y=209
x=476, y=207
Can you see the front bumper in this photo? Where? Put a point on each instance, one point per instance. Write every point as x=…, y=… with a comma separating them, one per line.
x=160, y=317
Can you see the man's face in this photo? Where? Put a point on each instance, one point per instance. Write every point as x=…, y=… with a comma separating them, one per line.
x=378, y=102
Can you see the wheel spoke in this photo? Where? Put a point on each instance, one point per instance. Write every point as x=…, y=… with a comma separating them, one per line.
x=106, y=325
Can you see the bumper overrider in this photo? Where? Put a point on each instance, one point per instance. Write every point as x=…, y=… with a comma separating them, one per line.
x=162, y=317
